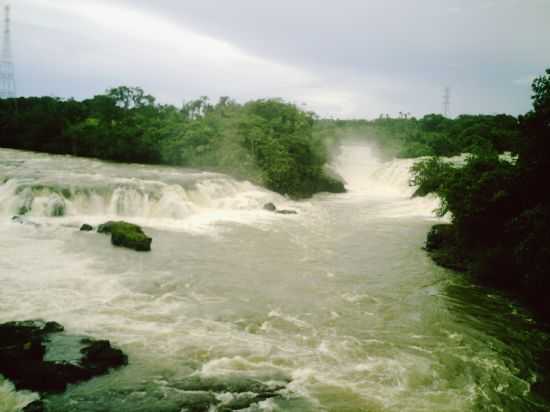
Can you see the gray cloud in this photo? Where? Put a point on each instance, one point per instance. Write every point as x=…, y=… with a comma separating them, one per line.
x=348, y=58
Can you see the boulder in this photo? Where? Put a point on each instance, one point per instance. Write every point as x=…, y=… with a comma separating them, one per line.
x=99, y=356
x=86, y=228
x=127, y=235
x=38, y=356
x=270, y=207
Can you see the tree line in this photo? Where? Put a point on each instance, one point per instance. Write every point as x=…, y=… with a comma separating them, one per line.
x=431, y=135
x=268, y=141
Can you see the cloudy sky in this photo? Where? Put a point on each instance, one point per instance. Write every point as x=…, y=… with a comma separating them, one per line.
x=345, y=58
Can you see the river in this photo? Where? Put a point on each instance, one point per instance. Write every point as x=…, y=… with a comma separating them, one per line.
x=336, y=308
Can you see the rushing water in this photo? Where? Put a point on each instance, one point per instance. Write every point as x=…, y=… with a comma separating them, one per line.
x=337, y=308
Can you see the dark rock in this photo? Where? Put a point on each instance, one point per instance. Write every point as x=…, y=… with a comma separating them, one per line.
x=286, y=212
x=52, y=327
x=270, y=207
x=127, y=235
x=86, y=228
x=99, y=356
x=24, y=348
x=36, y=406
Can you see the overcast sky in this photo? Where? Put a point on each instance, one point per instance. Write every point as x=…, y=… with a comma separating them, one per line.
x=345, y=58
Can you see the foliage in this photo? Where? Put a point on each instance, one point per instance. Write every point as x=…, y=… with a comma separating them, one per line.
x=428, y=176
x=268, y=141
x=501, y=209
x=279, y=136
x=432, y=135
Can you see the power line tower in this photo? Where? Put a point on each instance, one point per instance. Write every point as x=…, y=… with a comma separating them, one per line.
x=447, y=102
x=7, y=73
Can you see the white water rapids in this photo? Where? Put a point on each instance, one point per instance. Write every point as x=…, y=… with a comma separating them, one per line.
x=339, y=303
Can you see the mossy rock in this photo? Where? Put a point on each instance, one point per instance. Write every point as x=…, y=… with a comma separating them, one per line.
x=127, y=235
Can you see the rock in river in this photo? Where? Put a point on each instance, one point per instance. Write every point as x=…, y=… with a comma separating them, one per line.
x=270, y=207
x=127, y=235
x=38, y=356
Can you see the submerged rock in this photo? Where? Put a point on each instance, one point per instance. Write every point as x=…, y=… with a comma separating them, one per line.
x=37, y=356
x=86, y=228
x=127, y=235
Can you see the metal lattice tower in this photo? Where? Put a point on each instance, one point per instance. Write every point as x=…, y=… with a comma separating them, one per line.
x=447, y=102
x=7, y=73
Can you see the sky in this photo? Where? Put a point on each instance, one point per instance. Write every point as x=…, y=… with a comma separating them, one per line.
x=344, y=59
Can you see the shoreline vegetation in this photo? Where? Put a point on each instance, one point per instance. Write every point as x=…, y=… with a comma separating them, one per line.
x=500, y=209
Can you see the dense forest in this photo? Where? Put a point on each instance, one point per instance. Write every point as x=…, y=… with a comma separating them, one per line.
x=500, y=208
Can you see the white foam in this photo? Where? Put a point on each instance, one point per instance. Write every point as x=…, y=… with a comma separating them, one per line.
x=370, y=179
x=84, y=190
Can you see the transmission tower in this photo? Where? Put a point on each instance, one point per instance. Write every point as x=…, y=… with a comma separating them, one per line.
x=7, y=75
x=447, y=102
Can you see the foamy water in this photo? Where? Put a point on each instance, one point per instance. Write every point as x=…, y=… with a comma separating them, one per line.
x=338, y=305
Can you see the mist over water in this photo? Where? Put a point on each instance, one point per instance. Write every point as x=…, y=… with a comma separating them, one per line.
x=337, y=305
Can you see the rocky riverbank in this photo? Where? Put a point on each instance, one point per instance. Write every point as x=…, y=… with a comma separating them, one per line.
x=39, y=356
